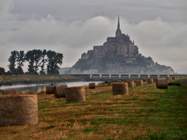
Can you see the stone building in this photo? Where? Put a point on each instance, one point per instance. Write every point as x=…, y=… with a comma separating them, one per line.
x=118, y=54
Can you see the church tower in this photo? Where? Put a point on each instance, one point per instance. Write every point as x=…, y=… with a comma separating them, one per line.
x=118, y=31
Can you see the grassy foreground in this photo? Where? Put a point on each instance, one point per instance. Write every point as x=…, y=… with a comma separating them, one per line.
x=146, y=114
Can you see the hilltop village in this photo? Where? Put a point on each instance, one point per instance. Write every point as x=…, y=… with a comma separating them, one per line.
x=117, y=55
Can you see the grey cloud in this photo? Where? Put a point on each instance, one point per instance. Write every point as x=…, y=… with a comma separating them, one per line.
x=5, y=7
x=155, y=38
x=72, y=27
x=50, y=31
x=133, y=10
x=166, y=42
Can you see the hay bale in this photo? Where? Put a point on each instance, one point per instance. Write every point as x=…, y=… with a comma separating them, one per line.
x=150, y=81
x=155, y=80
x=120, y=88
x=60, y=91
x=169, y=79
x=51, y=89
x=92, y=86
x=173, y=78
x=1, y=92
x=139, y=82
x=75, y=94
x=162, y=84
x=18, y=110
x=145, y=80
x=131, y=84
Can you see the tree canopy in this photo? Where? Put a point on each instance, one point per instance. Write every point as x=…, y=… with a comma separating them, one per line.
x=38, y=62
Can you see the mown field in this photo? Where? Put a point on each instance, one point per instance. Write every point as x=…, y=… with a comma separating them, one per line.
x=146, y=114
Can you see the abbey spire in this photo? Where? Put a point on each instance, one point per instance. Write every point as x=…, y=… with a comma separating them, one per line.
x=118, y=31
x=118, y=55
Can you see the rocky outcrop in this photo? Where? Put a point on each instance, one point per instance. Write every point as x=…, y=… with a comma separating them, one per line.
x=118, y=54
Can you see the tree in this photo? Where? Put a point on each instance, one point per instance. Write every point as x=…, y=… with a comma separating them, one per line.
x=33, y=57
x=38, y=60
x=2, y=71
x=54, y=60
x=20, y=60
x=43, y=62
x=12, y=62
x=16, y=61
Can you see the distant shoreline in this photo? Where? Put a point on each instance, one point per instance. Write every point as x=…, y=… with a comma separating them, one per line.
x=45, y=79
x=34, y=79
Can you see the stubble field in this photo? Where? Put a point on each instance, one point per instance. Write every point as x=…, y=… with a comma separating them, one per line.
x=146, y=114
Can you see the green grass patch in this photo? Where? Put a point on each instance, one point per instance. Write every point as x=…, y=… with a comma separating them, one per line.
x=176, y=134
x=102, y=121
x=90, y=130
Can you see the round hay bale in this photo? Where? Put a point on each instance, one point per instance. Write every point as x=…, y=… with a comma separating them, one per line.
x=131, y=84
x=139, y=82
x=162, y=84
x=51, y=89
x=18, y=110
x=1, y=92
x=75, y=94
x=60, y=91
x=145, y=80
x=92, y=86
x=150, y=81
x=155, y=80
x=173, y=78
x=169, y=79
x=120, y=88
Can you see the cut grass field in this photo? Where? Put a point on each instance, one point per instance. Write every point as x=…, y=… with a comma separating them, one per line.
x=146, y=114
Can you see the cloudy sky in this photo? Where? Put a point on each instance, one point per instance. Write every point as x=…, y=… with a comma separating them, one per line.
x=159, y=27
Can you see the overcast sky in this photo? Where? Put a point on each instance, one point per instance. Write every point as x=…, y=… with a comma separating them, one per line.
x=159, y=27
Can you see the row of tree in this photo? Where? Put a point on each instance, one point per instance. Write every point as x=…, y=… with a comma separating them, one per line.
x=35, y=61
x=2, y=71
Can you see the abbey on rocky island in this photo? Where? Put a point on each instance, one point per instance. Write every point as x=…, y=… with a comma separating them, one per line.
x=118, y=55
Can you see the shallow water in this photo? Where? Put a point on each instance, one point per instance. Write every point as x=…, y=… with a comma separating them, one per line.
x=81, y=83
x=69, y=84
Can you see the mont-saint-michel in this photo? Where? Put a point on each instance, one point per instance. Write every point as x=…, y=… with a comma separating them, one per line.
x=117, y=55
